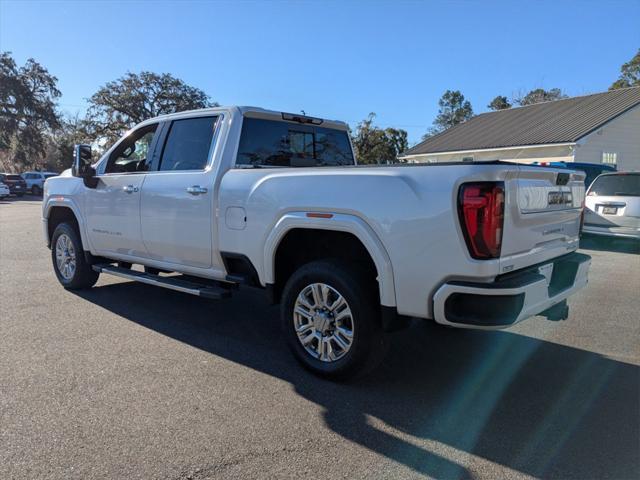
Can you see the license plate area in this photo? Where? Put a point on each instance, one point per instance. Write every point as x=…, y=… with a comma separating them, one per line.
x=546, y=271
x=609, y=210
x=563, y=276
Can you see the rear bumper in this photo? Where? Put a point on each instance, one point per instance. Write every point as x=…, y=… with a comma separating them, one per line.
x=620, y=232
x=511, y=298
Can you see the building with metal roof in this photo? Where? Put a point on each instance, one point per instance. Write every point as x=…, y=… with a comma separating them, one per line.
x=599, y=128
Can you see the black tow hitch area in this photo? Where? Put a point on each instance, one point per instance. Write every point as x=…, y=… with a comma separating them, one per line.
x=560, y=311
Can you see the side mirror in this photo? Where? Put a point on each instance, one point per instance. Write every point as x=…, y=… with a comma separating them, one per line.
x=82, y=165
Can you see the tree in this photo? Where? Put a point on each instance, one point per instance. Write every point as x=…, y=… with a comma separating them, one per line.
x=28, y=99
x=61, y=142
x=539, y=95
x=629, y=74
x=121, y=104
x=499, y=103
x=454, y=109
x=375, y=145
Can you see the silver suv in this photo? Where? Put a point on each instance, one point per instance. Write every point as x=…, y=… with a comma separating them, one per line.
x=613, y=205
x=35, y=181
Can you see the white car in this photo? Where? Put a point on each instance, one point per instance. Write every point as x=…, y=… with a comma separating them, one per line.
x=35, y=181
x=246, y=196
x=4, y=190
x=613, y=205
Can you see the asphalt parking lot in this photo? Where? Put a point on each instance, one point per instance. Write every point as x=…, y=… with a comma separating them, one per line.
x=129, y=381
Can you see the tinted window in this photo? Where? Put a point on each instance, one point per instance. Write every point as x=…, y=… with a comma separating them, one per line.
x=188, y=144
x=131, y=154
x=284, y=144
x=616, y=185
x=49, y=175
x=14, y=177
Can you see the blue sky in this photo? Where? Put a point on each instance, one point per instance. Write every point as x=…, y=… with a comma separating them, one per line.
x=337, y=60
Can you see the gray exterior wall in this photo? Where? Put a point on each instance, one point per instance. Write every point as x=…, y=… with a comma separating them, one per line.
x=620, y=136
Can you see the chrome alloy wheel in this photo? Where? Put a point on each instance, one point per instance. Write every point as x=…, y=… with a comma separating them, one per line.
x=65, y=257
x=323, y=322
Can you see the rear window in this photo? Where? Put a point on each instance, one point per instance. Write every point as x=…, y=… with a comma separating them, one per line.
x=14, y=177
x=49, y=175
x=616, y=185
x=284, y=144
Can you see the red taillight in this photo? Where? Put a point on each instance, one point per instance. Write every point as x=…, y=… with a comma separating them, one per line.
x=481, y=211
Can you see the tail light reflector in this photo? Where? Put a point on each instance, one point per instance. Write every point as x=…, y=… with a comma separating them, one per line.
x=481, y=212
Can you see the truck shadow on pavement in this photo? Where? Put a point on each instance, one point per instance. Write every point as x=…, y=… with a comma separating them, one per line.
x=536, y=407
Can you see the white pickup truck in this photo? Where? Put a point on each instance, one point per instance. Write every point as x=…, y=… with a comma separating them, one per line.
x=207, y=200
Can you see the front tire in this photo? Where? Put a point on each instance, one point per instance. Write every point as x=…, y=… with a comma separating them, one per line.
x=330, y=315
x=69, y=263
x=35, y=190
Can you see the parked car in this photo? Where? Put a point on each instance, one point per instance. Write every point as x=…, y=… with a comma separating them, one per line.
x=35, y=181
x=4, y=190
x=591, y=169
x=246, y=196
x=17, y=185
x=613, y=205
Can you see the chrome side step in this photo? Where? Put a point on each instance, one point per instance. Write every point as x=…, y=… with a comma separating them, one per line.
x=172, y=283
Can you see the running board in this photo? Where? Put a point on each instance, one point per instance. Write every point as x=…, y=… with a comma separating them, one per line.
x=172, y=283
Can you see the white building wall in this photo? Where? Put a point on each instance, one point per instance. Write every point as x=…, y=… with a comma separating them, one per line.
x=521, y=155
x=620, y=136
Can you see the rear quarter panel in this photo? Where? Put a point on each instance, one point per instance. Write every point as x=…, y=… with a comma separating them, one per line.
x=412, y=210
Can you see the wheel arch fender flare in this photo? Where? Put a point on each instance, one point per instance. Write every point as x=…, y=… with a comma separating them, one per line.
x=70, y=204
x=337, y=222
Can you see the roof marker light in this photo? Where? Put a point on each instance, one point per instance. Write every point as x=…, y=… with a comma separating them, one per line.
x=293, y=117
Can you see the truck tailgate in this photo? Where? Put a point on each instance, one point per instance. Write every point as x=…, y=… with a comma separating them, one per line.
x=542, y=215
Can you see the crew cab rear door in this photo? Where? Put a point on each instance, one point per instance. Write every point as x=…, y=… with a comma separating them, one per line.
x=178, y=202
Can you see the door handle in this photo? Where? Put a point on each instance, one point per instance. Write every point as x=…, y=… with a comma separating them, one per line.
x=196, y=190
x=130, y=189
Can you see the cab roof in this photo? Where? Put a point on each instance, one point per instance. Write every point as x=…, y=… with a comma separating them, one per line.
x=256, y=112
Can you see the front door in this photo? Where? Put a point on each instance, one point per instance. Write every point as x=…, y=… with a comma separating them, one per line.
x=113, y=207
x=177, y=206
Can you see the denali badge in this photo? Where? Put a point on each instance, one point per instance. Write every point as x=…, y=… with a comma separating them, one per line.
x=560, y=198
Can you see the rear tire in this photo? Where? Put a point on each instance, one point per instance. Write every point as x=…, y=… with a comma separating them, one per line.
x=330, y=316
x=35, y=190
x=69, y=263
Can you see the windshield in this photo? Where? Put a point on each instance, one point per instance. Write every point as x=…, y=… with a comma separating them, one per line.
x=617, y=185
